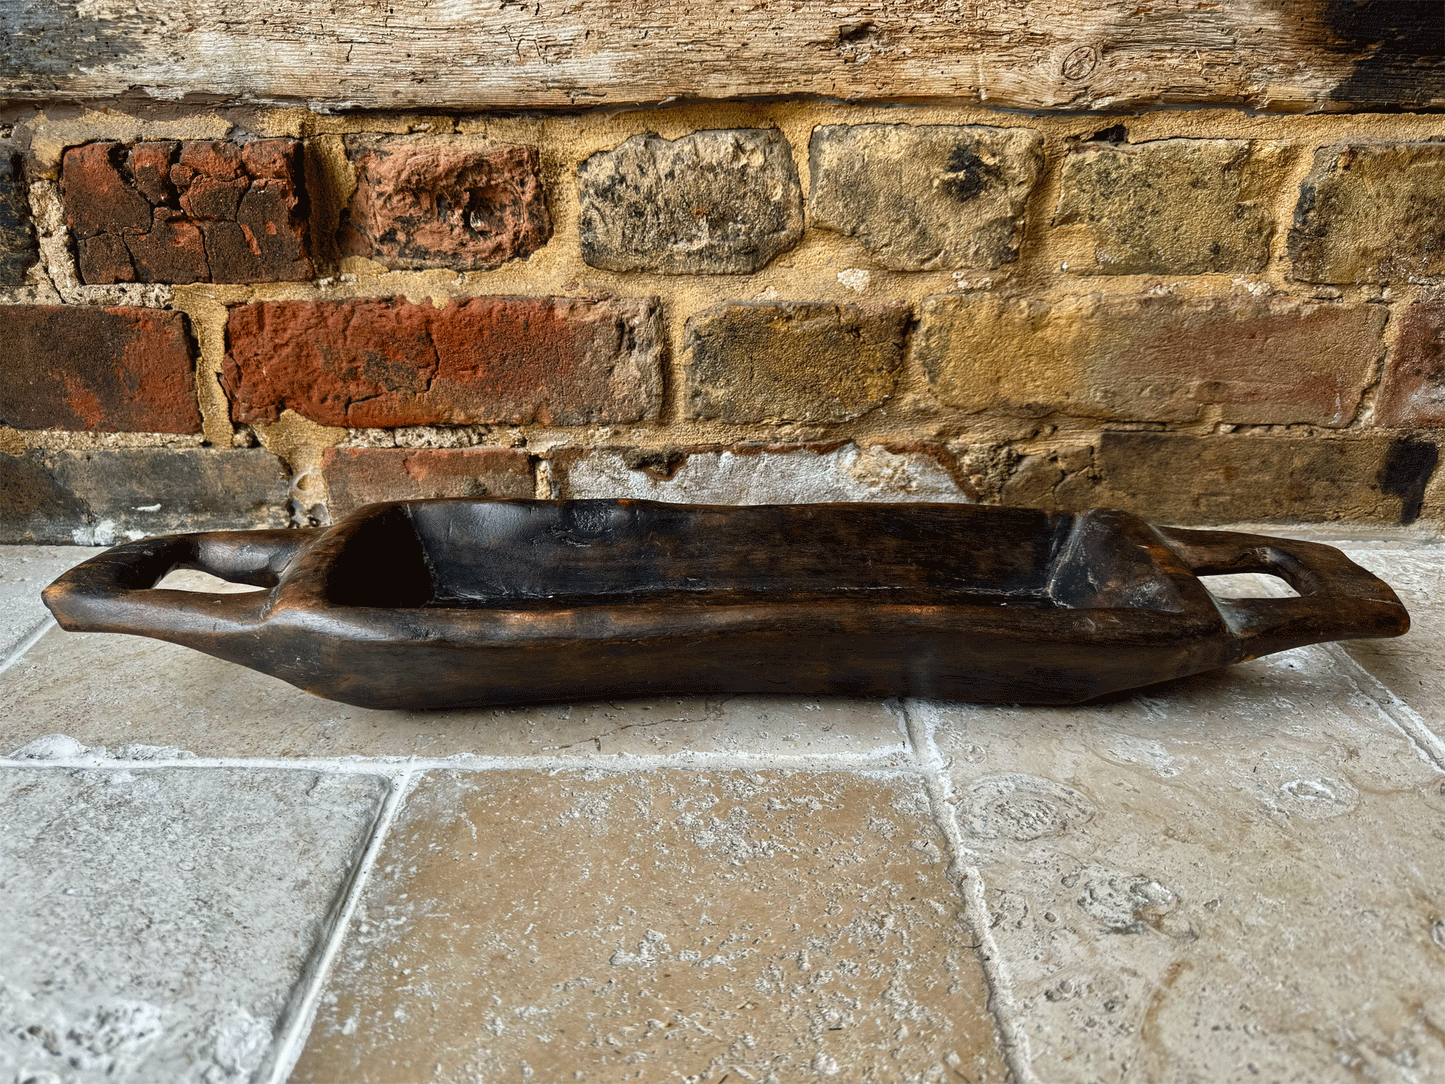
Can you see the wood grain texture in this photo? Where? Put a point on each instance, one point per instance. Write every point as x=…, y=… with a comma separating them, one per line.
x=473, y=603
x=1057, y=54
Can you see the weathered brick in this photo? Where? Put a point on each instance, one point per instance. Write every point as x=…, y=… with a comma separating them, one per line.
x=360, y=476
x=194, y=211
x=794, y=361
x=17, y=234
x=99, y=497
x=1412, y=390
x=1179, y=478
x=384, y=361
x=1163, y=359
x=714, y=202
x=926, y=196
x=1371, y=213
x=1177, y=206
x=760, y=473
x=465, y=207
x=1061, y=478
x=115, y=369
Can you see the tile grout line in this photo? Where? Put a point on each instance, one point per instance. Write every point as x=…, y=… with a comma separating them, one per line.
x=1392, y=706
x=968, y=882
x=30, y=640
x=287, y=1050
x=390, y=765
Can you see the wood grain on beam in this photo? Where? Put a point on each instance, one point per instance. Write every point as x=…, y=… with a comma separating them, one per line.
x=1056, y=54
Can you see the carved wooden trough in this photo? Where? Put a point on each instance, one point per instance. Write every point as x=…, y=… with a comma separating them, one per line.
x=450, y=603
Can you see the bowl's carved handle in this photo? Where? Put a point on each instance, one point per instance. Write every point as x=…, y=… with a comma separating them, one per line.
x=1338, y=600
x=115, y=591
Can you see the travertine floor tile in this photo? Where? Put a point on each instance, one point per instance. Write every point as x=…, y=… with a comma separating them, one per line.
x=155, y=921
x=24, y=572
x=1411, y=665
x=105, y=689
x=658, y=926
x=1236, y=879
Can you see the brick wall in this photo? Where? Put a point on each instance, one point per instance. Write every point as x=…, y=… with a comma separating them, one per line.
x=220, y=319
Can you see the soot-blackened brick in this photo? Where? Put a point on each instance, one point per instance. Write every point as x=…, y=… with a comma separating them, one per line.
x=17, y=234
x=107, y=495
x=188, y=211
x=107, y=369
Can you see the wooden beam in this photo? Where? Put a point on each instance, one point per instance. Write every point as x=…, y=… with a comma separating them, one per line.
x=549, y=54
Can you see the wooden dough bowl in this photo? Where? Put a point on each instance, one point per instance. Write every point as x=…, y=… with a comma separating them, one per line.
x=454, y=603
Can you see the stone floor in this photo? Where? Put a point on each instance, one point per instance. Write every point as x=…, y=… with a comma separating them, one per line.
x=206, y=875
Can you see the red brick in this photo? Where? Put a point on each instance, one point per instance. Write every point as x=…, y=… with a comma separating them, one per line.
x=384, y=361
x=197, y=211
x=1412, y=391
x=150, y=166
x=174, y=250
x=447, y=206
x=359, y=476
x=115, y=369
x=99, y=198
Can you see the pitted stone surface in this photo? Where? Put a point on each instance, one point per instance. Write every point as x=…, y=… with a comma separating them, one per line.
x=99, y=369
x=188, y=211
x=596, y=926
x=361, y=476
x=1371, y=213
x=921, y=197
x=1151, y=358
x=1173, y=206
x=792, y=361
x=24, y=572
x=442, y=205
x=723, y=201
x=115, y=494
x=17, y=233
x=1234, y=878
x=1407, y=665
x=777, y=474
x=156, y=920
x=388, y=362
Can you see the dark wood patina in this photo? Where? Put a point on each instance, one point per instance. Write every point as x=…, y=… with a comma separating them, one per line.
x=452, y=603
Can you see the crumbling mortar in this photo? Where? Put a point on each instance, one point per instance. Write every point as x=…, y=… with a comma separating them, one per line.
x=16, y=441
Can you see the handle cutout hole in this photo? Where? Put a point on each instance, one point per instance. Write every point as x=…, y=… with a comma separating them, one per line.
x=1236, y=585
x=190, y=579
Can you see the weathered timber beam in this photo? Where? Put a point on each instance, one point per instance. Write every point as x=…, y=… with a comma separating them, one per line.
x=548, y=54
